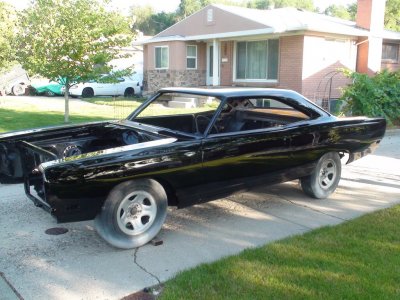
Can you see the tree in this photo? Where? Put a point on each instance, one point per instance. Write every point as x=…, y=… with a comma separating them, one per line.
x=188, y=7
x=392, y=15
x=269, y=4
x=70, y=41
x=147, y=21
x=141, y=18
x=339, y=11
x=7, y=35
x=162, y=21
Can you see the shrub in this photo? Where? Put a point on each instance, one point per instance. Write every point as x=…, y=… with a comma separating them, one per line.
x=377, y=96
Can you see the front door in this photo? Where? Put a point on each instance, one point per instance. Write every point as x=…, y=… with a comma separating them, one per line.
x=210, y=69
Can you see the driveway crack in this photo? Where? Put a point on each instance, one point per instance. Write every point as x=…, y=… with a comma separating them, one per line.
x=143, y=268
x=311, y=208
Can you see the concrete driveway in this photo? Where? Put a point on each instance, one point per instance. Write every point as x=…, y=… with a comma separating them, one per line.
x=80, y=265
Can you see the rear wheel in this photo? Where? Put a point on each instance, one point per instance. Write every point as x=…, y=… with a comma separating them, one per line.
x=325, y=178
x=87, y=93
x=132, y=214
x=129, y=92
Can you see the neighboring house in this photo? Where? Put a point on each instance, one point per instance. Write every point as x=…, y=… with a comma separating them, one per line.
x=285, y=48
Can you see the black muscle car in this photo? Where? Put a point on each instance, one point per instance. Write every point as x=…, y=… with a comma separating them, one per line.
x=181, y=147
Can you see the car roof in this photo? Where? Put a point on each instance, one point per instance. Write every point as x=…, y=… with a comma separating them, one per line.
x=246, y=92
x=233, y=92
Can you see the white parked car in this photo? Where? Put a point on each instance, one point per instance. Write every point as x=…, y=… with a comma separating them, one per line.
x=124, y=87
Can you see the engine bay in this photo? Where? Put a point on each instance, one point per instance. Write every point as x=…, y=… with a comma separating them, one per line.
x=93, y=139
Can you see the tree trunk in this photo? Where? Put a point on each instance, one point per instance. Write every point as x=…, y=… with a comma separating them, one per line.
x=66, y=97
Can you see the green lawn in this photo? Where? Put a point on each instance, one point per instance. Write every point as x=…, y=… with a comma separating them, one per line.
x=21, y=113
x=359, y=259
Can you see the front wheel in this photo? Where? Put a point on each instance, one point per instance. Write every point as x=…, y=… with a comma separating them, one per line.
x=132, y=214
x=325, y=177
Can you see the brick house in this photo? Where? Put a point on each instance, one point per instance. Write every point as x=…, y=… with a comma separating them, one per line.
x=285, y=48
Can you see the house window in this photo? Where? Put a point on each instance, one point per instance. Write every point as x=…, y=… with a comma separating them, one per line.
x=161, y=57
x=257, y=60
x=390, y=52
x=191, y=56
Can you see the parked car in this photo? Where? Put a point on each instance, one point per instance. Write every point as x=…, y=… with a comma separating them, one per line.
x=14, y=81
x=51, y=89
x=124, y=87
x=181, y=147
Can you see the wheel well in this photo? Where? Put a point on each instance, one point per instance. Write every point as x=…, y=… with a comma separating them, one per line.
x=169, y=190
x=88, y=88
x=129, y=91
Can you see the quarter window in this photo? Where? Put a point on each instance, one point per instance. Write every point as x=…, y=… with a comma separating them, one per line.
x=161, y=57
x=257, y=60
x=191, y=56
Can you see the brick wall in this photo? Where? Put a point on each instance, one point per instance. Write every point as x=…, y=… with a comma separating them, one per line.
x=390, y=66
x=156, y=79
x=291, y=62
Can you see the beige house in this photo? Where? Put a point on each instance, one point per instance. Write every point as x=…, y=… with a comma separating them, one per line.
x=285, y=48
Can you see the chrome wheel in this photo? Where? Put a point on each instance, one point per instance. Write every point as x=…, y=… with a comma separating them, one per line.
x=327, y=174
x=136, y=213
x=133, y=213
x=325, y=178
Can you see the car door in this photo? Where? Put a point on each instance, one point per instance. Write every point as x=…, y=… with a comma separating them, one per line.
x=120, y=86
x=104, y=87
x=255, y=150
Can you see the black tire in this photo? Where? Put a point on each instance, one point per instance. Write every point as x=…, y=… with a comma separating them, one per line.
x=325, y=177
x=138, y=203
x=49, y=94
x=129, y=92
x=87, y=92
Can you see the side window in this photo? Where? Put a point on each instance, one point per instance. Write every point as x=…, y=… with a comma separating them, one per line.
x=257, y=113
x=191, y=57
x=269, y=103
x=161, y=59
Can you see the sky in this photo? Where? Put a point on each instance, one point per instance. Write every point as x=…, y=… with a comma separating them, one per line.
x=169, y=5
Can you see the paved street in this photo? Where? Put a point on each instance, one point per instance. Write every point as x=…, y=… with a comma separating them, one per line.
x=80, y=265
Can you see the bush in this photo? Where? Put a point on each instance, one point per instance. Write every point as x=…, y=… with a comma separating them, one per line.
x=377, y=96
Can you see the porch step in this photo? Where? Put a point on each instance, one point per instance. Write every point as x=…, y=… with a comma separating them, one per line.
x=180, y=104
x=183, y=102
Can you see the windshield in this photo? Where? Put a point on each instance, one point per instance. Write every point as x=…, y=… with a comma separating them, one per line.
x=188, y=113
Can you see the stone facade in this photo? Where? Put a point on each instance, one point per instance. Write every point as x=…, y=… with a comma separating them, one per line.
x=154, y=80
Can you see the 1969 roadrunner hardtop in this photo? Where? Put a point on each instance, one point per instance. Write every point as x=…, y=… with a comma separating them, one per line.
x=181, y=147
